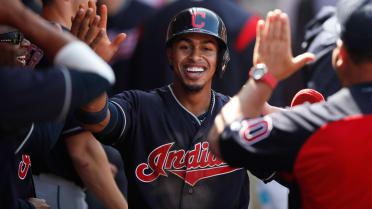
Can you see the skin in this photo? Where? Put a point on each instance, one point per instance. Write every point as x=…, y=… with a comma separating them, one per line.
x=87, y=154
x=91, y=28
x=14, y=55
x=14, y=14
x=273, y=48
x=195, y=51
x=190, y=50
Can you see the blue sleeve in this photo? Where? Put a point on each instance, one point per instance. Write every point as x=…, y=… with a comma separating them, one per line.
x=123, y=108
x=45, y=95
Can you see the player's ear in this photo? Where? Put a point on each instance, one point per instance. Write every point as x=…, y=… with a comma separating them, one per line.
x=340, y=56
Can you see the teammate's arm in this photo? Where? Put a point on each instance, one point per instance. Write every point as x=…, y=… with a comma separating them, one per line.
x=273, y=49
x=90, y=161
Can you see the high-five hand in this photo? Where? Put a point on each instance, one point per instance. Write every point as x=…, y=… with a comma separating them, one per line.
x=273, y=46
x=91, y=28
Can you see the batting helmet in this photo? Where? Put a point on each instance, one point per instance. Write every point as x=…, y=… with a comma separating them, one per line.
x=201, y=20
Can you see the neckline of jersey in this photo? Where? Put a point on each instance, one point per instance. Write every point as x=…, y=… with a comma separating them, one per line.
x=183, y=107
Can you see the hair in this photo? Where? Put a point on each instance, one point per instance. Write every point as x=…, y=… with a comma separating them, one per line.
x=359, y=56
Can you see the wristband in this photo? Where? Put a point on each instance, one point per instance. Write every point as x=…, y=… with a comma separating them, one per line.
x=90, y=118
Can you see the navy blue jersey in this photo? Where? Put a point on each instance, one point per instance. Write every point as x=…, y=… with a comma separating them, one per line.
x=47, y=95
x=324, y=148
x=33, y=96
x=166, y=153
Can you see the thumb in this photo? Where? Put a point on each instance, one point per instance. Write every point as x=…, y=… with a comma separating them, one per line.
x=118, y=39
x=303, y=59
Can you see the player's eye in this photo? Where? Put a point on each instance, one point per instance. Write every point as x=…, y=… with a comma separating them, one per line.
x=184, y=47
x=207, y=49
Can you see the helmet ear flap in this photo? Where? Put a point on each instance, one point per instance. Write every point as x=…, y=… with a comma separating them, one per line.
x=223, y=60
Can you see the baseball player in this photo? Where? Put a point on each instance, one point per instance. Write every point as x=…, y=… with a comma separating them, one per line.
x=57, y=168
x=162, y=133
x=325, y=147
x=36, y=88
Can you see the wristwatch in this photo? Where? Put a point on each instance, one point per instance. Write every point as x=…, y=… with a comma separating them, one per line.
x=260, y=73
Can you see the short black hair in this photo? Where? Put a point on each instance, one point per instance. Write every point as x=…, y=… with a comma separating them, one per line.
x=355, y=28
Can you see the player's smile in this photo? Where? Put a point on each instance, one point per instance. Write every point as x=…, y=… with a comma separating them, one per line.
x=194, y=72
x=194, y=59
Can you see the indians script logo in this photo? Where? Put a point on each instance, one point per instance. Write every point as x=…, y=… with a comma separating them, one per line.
x=23, y=167
x=190, y=166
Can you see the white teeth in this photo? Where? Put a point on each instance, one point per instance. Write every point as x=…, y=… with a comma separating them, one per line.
x=195, y=69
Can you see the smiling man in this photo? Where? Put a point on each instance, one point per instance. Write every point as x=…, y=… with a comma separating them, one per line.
x=162, y=134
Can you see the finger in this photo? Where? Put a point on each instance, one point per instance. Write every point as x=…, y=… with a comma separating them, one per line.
x=302, y=60
x=277, y=29
x=267, y=24
x=97, y=39
x=93, y=30
x=260, y=31
x=77, y=21
x=92, y=4
x=286, y=31
x=259, y=35
x=84, y=26
x=118, y=39
x=271, y=27
x=103, y=12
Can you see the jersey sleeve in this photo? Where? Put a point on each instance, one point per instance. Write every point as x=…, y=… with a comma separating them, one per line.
x=122, y=116
x=268, y=144
x=46, y=95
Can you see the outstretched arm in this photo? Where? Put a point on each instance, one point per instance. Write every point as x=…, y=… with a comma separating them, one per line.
x=90, y=161
x=273, y=48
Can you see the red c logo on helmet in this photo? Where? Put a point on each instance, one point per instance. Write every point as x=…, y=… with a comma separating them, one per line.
x=202, y=24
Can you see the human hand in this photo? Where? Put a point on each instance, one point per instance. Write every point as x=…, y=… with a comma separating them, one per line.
x=273, y=46
x=85, y=25
x=106, y=48
x=91, y=29
x=38, y=203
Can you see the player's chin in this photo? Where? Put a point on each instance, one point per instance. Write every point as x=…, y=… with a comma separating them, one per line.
x=192, y=88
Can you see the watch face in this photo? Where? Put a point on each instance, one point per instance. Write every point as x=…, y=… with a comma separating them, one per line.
x=258, y=73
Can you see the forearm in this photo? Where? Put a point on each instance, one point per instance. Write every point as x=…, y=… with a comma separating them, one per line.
x=249, y=102
x=95, y=106
x=93, y=167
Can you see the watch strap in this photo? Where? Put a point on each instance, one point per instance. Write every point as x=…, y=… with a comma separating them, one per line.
x=267, y=78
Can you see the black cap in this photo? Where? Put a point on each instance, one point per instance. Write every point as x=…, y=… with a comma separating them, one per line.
x=355, y=24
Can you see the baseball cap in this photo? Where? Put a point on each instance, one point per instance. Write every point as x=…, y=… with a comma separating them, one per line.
x=355, y=24
x=307, y=95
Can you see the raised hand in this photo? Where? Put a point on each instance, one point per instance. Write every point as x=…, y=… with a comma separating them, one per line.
x=106, y=48
x=91, y=29
x=273, y=46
